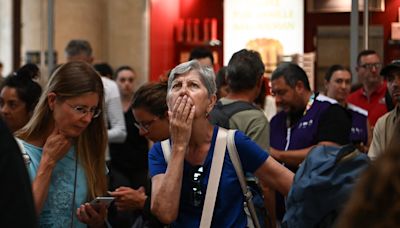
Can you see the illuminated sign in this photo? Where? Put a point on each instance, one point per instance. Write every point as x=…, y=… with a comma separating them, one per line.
x=272, y=27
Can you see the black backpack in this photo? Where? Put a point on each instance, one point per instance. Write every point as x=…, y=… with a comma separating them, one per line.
x=221, y=114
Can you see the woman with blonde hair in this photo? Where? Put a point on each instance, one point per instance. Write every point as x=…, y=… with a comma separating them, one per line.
x=64, y=145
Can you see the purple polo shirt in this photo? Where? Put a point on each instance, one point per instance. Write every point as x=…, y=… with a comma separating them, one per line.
x=359, y=130
x=303, y=133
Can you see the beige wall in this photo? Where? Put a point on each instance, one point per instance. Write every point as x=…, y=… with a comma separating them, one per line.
x=6, y=36
x=127, y=36
x=117, y=30
x=334, y=47
x=77, y=19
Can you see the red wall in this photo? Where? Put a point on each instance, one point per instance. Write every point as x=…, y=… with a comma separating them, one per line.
x=164, y=15
x=204, y=9
x=386, y=18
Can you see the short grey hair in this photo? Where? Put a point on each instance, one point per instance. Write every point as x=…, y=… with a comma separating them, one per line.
x=78, y=47
x=206, y=73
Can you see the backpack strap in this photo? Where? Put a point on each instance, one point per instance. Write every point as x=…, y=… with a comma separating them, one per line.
x=215, y=175
x=221, y=114
x=235, y=107
x=239, y=172
x=166, y=149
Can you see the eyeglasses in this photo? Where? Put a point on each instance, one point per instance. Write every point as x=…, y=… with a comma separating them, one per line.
x=145, y=125
x=370, y=66
x=197, y=194
x=83, y=110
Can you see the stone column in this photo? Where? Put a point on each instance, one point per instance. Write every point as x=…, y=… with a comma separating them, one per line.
x=117, y=30
x=128, y=36
x=77, y=19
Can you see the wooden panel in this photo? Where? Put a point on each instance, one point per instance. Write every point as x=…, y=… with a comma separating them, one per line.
x=332, y=6
x=333, y=44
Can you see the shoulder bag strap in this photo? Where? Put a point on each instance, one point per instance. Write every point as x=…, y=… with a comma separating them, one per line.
x=213, y=180
x=215, y=175
x=166, y=149
x=233, y=154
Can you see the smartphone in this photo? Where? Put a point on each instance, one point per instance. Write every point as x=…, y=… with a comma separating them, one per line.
x=102, y=200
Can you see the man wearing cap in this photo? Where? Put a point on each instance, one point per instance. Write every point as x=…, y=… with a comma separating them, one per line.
x=384, y=127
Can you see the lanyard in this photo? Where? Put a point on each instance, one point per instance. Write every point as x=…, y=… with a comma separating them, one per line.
x=288, y=124
x=309, y=103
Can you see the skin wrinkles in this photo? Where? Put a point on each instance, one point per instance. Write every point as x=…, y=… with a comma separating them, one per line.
x=69, y=122
x=287, y=99
x=190, y=85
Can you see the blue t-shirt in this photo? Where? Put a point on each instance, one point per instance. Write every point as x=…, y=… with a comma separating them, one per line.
x=57, y=209
x=228, y=210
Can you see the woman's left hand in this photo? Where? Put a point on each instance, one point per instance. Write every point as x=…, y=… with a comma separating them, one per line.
x=91, y=216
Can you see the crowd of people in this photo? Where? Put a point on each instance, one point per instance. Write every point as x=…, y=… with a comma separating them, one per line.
x=92, y=132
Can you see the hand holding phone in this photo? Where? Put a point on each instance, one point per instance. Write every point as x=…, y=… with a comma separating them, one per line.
x=106, y=200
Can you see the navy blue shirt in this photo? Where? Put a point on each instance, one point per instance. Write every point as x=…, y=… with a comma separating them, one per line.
x=325, y=120
x=228, y=211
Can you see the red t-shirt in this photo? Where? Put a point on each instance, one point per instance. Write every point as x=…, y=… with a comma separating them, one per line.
x=375, y=105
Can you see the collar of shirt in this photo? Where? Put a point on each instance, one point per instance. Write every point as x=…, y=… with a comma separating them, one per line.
x=378, y=92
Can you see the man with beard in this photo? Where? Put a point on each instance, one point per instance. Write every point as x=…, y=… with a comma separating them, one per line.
x=385, y=125
x=306, y=119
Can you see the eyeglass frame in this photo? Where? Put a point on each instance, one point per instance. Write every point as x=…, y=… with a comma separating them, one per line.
x=145, y=126
x=197, y=194
x=369, y=66
x=84, y=110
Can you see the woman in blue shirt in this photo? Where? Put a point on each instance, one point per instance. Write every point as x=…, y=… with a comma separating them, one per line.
x=178, y=188
x=64, y=143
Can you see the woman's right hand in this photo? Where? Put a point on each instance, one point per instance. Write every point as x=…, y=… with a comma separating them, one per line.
x=91, y=216
x=181, y=119
x=55, y=147
x=128, y=198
